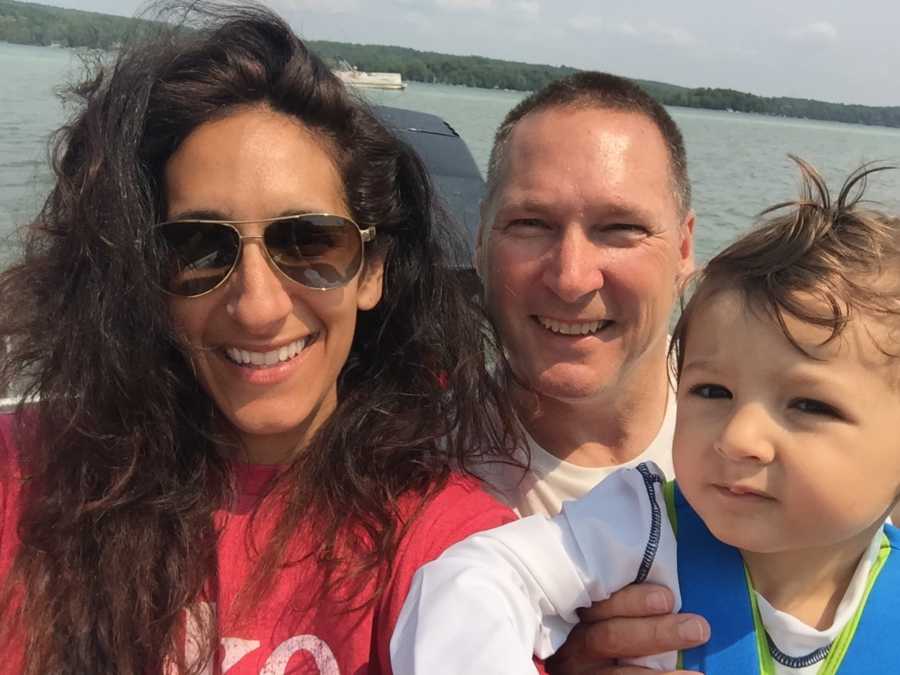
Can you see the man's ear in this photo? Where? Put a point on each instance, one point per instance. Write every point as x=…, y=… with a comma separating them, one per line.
x=686, y=245
x=371, y=282
x=484, y=228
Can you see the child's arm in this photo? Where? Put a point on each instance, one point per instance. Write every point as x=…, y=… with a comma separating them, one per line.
x=491, y=601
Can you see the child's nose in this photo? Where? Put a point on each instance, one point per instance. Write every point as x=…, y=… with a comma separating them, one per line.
x=746, y=435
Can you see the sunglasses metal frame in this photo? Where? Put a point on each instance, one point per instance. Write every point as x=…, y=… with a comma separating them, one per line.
x=365, y=236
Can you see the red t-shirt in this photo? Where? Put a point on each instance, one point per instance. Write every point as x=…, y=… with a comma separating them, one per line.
x=290, y=631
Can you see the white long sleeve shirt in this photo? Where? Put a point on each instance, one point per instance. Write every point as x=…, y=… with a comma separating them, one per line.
x=491, y=601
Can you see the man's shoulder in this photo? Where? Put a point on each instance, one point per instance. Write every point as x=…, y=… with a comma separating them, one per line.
x=550, y=481
x=553, y=481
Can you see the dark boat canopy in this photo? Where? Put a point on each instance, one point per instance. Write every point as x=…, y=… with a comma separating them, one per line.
x=453, y=170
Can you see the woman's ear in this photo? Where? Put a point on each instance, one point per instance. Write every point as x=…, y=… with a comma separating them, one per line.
x=371, y=282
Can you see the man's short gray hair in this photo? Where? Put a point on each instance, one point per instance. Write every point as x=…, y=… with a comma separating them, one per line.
x=604, y=91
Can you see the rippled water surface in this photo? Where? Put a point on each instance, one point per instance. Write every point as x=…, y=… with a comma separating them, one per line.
x=738, y=163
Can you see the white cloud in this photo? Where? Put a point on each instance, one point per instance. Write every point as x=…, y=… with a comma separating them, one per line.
x=817, y=31
x=652, y=31
x=466, y=5
x=626, y=28
x=586, y=24
x=420, y=22
x=527, y=8
x=318, y=6
x=672, y=36
x=656, y=33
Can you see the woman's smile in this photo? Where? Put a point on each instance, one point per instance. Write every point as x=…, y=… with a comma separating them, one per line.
x=257, y=358
x=269, y=367
x=267, y=349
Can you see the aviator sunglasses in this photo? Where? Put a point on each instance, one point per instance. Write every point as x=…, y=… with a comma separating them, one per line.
x=316, y=250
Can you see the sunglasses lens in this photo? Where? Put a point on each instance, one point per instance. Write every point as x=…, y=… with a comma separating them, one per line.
x=318, y=251
x=195, y=256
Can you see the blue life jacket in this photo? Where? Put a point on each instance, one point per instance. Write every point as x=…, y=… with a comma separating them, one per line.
x=714, y=584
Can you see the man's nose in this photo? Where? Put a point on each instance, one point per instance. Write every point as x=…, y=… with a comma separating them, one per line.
x=748, y=435
x=575, y=267
x=257, y=300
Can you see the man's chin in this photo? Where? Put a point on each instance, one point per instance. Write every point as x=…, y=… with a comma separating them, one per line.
x=568, y=387
x=567, y=393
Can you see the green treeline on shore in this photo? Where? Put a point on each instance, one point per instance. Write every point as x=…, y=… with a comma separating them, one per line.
x=28, y=23
x=729, y=99
x=470, y=71
x=478, y=71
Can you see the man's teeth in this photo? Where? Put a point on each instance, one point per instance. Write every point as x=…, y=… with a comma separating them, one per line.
x=569, y=328
x=244, y=357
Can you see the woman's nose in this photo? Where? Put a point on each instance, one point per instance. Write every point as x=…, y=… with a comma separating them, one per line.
x=257, y=298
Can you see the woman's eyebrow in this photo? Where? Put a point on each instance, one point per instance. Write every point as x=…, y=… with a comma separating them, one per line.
x=300, y=210
x=199, y=214
x=211, y=214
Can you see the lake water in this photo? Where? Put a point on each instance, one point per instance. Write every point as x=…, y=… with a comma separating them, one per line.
x=738, y=163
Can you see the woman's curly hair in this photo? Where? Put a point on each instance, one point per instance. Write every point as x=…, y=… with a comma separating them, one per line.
x=124, y=468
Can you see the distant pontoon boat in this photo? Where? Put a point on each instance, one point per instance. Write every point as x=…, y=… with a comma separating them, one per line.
x=359, y=78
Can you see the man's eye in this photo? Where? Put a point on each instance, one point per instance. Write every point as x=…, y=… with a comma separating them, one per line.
x=710, y=391
x=812, y=406
x=621, y=233
x=628, y=227
x=527, y=223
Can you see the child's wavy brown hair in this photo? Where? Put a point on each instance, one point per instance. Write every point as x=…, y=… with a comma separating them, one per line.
x=842, y=253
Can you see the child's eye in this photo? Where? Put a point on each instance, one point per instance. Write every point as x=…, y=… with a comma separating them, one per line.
x=813, y=407
x=710, y=391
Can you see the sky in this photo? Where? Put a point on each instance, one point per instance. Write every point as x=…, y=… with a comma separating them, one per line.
x=831, y=50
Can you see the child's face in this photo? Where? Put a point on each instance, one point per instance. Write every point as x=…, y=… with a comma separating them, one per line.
x=776, y=450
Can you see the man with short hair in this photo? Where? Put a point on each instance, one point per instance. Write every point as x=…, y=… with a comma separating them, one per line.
x=586, y=233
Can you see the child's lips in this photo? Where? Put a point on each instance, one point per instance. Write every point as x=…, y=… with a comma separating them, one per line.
x=743, y=490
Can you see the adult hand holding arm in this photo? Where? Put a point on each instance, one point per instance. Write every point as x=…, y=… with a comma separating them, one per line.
x=633, y=622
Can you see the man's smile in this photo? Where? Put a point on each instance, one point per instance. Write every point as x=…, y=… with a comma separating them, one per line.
x=572, y=327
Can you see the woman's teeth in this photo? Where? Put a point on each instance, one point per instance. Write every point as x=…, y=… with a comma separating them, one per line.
x=571, y=328
x=285, y=353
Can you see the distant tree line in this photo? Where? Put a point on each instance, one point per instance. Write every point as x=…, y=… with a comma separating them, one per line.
x=27, y=23
x=471, y=71
x=477, y=71
x=729, y=99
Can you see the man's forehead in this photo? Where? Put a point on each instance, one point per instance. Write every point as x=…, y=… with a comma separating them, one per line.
x=583, y=122
x=617, y=155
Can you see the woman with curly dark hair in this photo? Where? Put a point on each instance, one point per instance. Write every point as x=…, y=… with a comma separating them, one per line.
x=255, y=388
